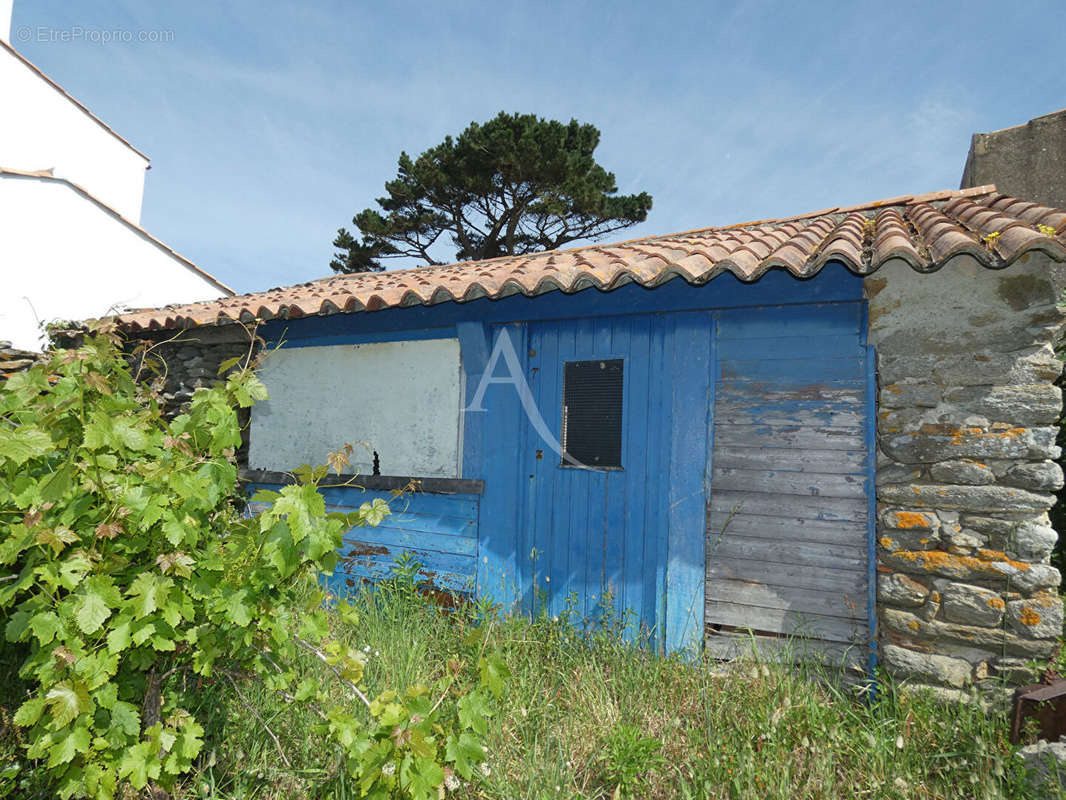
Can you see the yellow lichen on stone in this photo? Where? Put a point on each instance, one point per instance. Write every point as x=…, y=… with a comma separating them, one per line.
x=986, y=560
x=996, y=603
x=912, y=519
x=1029, y=617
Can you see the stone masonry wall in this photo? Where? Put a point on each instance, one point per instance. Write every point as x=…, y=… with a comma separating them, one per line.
x=967, y=422
x=190, y=360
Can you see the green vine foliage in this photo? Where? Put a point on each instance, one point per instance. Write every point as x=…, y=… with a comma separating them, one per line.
x=127, y=561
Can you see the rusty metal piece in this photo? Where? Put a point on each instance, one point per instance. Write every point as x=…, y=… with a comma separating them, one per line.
x=1043, y=702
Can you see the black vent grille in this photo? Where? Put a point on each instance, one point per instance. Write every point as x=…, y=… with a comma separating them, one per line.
x=592, y=413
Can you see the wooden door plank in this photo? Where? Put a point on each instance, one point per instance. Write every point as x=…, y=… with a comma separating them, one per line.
x=844, y=462
x=785, y=529
x=791, y=598
x=841, y=509
x=815, y=626
x=803, y=577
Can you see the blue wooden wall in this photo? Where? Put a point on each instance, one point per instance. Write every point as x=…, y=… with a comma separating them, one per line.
x=650, y=521
x=437, y=530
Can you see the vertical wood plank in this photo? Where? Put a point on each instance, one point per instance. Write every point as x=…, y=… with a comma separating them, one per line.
x=561, y=485
x=617, y=334
x=498, y=563
x=689, y=431
x=474, y=356
x=655, y=512
x=637, y=421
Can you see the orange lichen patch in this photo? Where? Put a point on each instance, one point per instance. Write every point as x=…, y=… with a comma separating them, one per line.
x=999, y=555
x=905, y=520
x=1045, y=599
x=894, y=388
x=933, y=560
x=1011, y=433
x=996, y=603
x=1029, y=617
x=887, y=543
x=913, y=624
x=935, y=597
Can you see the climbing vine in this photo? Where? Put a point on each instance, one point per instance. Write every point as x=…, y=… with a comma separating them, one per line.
x=127, y=561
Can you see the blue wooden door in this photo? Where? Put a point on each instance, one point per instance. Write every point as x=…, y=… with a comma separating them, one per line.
x=594, y=538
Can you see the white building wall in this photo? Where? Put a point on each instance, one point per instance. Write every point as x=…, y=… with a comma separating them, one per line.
x=401, y=399
x=41, y=128
x=64, y=257
x=5, y=19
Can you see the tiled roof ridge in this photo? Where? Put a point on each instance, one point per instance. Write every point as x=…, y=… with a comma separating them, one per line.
x=944, y=194
x=81, y=106
x=47, y=175
x=926, y=231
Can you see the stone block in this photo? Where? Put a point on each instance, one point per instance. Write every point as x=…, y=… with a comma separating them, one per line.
x=1032, y=365
x=964, y=471
x=966, y=498
x=894, y=540
x=909, y=626
x=990, y=526
x=1039, y=616
x=1036, y=404
x=900, y=590
x=1032, y=542
x=1045, y=764
x=897, y=473
x=1036, y=576
x=971, y=605
x=1017, y=671
x=908, y=519
x=1028, y=366
x=909, y=394
x=988, y=566
x=943, y=442
x=911, y=664
x=965, y=541
x=1040, y=476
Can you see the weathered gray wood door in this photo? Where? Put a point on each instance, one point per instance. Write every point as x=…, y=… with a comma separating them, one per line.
x=787, y=532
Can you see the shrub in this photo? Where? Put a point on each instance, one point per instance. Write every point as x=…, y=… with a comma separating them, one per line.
x=130, y=561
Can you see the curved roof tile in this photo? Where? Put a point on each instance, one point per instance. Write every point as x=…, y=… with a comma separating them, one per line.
x=925, y=231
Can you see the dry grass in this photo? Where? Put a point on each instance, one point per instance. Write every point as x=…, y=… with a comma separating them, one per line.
x=585, y=714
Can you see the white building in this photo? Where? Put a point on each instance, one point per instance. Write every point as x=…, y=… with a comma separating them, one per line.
x=71, y=245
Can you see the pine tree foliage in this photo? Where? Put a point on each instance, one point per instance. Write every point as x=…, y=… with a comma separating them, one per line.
x=513, y=185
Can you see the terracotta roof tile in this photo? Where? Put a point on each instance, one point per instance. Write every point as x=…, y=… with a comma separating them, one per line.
x=925, y=231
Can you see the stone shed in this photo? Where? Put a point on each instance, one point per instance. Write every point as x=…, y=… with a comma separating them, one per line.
x=831, y=435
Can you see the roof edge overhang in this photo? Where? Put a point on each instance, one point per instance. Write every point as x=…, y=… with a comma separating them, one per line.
x=927, y=232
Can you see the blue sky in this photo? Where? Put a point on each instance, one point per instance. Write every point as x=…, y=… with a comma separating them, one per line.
x=270, y=124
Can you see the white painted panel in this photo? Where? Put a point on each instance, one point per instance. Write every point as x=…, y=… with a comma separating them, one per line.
x=398, y=398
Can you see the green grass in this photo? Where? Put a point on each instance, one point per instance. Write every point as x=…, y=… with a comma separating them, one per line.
x=586, y=715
